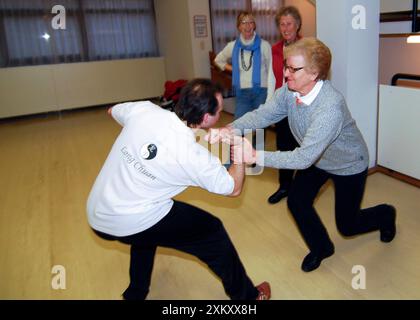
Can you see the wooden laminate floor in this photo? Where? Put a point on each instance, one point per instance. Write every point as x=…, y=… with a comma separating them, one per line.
x=48, y=164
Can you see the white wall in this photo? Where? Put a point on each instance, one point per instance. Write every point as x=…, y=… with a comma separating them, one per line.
x=174, y=37
x=399, y=131
x=185, y=55
x=35, y=89
x=329, y=31
x=201, y=46
x=27, y=90
x=355, y=60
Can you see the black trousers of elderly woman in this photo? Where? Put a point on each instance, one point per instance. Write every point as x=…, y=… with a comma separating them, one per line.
x=350, y=218
x=194, y=231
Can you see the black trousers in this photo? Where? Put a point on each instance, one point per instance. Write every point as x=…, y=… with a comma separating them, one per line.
x=194, y=231
x=285, y=141
x=350, y=218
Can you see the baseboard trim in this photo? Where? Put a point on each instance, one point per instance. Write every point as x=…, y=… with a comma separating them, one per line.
x=397, y=175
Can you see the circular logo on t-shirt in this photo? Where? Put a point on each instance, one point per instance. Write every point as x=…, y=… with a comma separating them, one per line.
x=148, y=151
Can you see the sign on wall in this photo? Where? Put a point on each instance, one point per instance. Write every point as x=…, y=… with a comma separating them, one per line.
x=200, y=26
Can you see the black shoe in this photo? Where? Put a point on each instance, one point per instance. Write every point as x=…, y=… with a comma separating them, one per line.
x=389, y=229
x=278, y=195
x=135, y=294
x=313, y=260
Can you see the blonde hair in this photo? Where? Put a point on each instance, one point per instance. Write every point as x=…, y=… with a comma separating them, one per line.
x=317, y=55
x=242, y=15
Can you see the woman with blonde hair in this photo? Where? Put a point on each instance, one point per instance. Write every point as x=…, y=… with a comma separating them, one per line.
x=249, y=59
x=330, y=147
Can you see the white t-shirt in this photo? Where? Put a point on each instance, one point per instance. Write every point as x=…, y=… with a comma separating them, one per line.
x=154, y=158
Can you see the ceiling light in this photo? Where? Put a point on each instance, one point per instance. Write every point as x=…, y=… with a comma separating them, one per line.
x=413, y=39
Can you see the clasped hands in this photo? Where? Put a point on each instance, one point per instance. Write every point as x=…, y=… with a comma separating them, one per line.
x=241, y=150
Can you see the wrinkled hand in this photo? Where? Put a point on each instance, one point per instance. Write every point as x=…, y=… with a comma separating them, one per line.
x=242, y=152
x=224, y=134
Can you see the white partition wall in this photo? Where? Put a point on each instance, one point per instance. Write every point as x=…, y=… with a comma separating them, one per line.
x=399, y=130
x=350, y=28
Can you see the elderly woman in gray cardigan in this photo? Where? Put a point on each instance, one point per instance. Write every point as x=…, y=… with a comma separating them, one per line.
x=330, y=147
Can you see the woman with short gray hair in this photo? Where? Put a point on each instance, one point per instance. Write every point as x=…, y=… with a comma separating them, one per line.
x=330, y=147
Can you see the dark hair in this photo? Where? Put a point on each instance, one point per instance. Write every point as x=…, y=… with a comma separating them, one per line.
x=197, y=98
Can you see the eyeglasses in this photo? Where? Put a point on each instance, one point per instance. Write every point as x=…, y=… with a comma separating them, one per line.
x=247, y=22
x=291, y=69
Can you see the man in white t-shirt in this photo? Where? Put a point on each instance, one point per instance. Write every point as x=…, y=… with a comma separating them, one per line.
x=154, y=158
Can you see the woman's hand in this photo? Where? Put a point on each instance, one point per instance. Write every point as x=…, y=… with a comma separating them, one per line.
x=243, y=152
x=224, y=134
